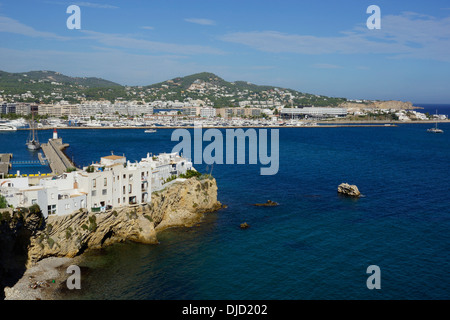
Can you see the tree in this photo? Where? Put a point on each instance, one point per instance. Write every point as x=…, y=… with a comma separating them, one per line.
x=3, y=202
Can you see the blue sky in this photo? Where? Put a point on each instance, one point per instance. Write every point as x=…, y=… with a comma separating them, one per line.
x=321, y=47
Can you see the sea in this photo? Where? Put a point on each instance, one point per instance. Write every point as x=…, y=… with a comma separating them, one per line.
x=314, y=245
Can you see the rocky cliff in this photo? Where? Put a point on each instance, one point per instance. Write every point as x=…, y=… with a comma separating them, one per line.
x=16, y=229
x=392, y=104
x=183, y=203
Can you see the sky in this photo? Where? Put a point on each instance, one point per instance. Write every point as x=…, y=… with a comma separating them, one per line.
x=321, y=47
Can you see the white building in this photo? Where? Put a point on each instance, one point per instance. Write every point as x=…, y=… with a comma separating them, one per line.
x=315, y=112
x=114, y=182
x=207, y=112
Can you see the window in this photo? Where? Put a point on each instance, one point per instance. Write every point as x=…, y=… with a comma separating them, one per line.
x=124, y=176
x=104, y=192
x=34, y=201
x=51, y=209
x=94, y=193
x=130, y=188
x=94, y=183
x=131, y=176
x=105, y=182
x=118, y=200
x=123, y=190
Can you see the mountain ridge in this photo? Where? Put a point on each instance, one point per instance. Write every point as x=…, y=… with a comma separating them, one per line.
x=50, y=86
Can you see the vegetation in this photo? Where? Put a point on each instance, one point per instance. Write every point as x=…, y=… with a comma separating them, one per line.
x=190, y=174
x=5, y=217
x=92, y=223
x=3, y=202
x=51, y=87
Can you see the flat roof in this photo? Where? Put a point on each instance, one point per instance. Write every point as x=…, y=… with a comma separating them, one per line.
x=113, y=157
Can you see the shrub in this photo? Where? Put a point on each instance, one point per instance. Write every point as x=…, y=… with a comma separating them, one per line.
x=190, y=174
x=3, y=202
x=5, y=216
x=50, y=242
x=35, y=209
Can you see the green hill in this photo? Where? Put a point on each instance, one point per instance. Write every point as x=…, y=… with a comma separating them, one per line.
x=50, y=87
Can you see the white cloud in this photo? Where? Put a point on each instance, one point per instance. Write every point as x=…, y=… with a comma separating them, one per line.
x=85, y=4
x=129, y=69
x=95, y=5
x=124, y=41
x=409, y=35
x=204, y=22
x=10, y=25
x=148, y=28
x=326, y=66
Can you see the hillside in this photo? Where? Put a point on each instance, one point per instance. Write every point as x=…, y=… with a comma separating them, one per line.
x=51, y=87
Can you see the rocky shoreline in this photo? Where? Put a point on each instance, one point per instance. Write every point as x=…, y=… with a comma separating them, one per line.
x=64, y=238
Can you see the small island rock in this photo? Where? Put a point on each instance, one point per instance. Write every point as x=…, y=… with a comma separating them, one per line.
x=245, y=225
x=349, y=190
x=269, y=203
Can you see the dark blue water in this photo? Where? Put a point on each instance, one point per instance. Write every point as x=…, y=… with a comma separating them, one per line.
x=433, y=108
x=315, y=245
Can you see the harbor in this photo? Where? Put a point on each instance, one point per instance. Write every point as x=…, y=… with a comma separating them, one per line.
x=55, y=156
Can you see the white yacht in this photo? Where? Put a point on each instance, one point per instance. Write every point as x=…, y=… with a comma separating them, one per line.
x=435, y=129
x=7, y=127
x=33, y=141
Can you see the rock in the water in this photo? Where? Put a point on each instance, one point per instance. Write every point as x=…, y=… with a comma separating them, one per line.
x=269, y=203
x=349, y=190
x=245, y=225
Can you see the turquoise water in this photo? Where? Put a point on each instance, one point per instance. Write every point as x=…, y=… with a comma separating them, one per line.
x=314, y=245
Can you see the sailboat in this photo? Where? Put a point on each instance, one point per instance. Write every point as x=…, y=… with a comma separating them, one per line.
x=33, y=141
x=435, y=129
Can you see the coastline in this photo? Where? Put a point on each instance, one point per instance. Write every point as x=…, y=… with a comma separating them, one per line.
x=42, y=281
x=45, y=276
x=319, y=124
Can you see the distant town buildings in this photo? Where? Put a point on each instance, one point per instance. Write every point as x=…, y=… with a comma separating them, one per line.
x=313, y=112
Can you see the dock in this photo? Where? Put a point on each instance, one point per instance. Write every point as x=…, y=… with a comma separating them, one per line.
x=54, y=154
x=5, y=164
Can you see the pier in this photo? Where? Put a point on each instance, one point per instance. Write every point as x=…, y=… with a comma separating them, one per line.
x=5, y=164
x=54, y=154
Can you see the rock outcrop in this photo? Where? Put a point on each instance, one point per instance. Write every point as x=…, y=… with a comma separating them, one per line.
x=349, y=190
x=269, y=203
x=392, y=104
x=16, y=229
x=183, y=203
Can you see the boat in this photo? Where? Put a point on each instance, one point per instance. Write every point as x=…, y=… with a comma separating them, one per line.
x=150, y=131
x=7, y=127
x=33, y=141
x=435, y=129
